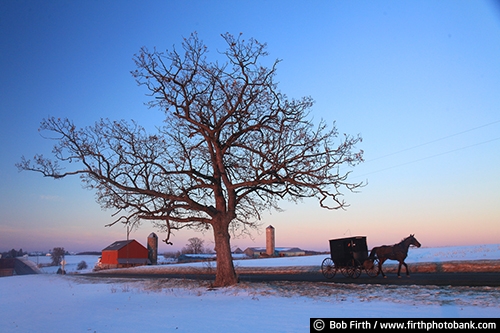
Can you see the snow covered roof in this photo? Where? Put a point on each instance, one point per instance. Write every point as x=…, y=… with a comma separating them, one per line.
x=118, y=245
x=289, y=249
x=278, y=249
x=199, y=255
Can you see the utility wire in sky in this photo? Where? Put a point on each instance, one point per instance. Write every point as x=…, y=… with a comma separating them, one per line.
x=432, y=156
x=426, y=158
x=437, y=140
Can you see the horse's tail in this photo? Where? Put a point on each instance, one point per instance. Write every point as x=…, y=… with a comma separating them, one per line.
x=373, y=253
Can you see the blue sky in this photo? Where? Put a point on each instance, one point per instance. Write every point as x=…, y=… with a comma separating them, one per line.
x=419, y=80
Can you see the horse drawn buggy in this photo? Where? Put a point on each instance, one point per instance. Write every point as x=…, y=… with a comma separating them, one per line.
x=350, y=257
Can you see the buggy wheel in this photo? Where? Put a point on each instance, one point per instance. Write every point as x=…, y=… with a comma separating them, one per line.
x=355, y=270
x=328, y=268
x=373, y=270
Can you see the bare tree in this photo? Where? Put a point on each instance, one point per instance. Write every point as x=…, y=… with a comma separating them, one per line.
x=232, y=145
x=194, y=246
x=57, y=255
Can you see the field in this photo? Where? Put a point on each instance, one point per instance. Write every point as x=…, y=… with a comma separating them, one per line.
x=74, y=303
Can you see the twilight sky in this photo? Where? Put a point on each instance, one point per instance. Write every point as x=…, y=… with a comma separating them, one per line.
x=419, y=80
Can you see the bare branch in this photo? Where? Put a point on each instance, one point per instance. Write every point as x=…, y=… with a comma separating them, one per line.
x=231, y=146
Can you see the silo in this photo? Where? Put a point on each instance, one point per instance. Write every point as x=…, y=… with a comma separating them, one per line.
x=153, y=248
x=270, y=244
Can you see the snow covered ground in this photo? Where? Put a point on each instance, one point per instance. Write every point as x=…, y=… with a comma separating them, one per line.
x=415, y=255
x=73, y=303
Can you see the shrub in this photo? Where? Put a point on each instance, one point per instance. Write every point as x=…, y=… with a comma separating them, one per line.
x=81, y=265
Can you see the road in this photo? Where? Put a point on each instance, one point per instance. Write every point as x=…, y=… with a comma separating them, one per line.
x=440, y=279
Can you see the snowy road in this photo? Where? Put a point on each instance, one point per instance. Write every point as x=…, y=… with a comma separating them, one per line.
x=422, y=279
x=437, y=279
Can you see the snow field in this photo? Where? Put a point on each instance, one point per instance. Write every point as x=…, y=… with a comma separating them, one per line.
x=76, y=303
x=49, y=303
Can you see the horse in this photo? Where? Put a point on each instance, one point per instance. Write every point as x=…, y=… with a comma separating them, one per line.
x=397, y=252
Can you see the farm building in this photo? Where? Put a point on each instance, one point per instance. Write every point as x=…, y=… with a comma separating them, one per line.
x=126, y=253
x=256, y=252
x=271, y=250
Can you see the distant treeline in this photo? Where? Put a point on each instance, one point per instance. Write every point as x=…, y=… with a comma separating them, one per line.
x=13, y=253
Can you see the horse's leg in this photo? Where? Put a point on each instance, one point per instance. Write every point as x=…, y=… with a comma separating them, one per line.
x=380, y=262
x=399, y=269
x=407, y=272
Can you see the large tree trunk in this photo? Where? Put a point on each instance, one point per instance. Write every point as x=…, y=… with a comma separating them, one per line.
x=225, y=274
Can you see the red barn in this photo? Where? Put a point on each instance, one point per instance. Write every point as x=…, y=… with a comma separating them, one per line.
x=125, y=253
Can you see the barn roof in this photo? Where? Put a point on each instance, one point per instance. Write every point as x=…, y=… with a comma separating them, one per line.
x=118, y=245
x=278, y=249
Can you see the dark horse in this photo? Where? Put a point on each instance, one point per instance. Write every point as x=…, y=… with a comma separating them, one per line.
x=397, y=252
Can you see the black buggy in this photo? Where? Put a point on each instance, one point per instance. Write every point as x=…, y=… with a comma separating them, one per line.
x=350, y=256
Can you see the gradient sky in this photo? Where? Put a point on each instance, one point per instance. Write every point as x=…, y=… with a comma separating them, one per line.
x=419, y=80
